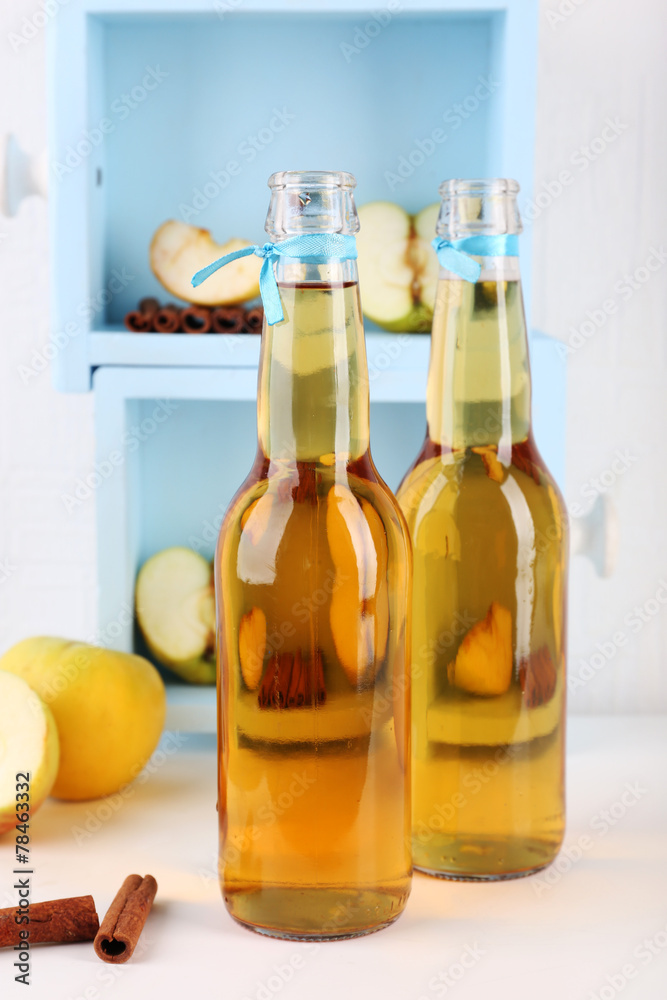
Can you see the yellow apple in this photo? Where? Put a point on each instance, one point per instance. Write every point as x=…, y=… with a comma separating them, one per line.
x=28, y=746
x=178, y=250
x=398, y=268
x=175, y=607
x=109, y=709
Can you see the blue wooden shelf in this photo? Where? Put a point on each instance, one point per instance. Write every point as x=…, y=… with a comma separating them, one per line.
x=115, y=346
x=405, y=353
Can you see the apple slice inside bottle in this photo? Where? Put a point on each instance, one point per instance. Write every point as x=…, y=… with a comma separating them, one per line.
x=359, y=610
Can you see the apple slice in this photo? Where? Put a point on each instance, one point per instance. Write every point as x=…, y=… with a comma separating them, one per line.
x=398, y=269
x=28, y=745
x=484, y=662
x=179, y=250
x=359, y=610
x=175, y=606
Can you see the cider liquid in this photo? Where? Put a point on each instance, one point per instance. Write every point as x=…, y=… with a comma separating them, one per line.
x=313, y=584
x=488, y=528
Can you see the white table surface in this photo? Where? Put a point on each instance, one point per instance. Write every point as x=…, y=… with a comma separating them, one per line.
x=532, y=940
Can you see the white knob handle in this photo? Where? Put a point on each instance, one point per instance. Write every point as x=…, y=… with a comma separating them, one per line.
x=595, y=535
x=21, y=175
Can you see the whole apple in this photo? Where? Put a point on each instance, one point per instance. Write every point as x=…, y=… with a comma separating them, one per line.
x=109, y=709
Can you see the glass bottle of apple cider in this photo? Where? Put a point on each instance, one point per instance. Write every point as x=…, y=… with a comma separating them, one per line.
x=313, y=587
x=489, y=536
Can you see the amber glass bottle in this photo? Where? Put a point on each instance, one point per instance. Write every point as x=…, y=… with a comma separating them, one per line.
x=313, y=587
x=489, y=538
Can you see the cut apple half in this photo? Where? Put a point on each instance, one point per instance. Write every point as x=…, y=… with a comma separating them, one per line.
x=178, y=250
x=28, y=746
x=175, y=606
x=398, y=268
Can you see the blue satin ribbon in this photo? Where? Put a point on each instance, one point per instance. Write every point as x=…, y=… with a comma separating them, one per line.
x=458, y=256
x=312, y=248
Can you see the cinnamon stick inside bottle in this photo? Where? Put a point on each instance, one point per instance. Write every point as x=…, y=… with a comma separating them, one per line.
x=295, y=694
x=538, y=677
x=292, y=680
x=56, y=921
x=124, y=920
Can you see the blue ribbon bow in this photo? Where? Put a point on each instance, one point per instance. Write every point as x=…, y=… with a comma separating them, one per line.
x=313, y=248
x=458, y=256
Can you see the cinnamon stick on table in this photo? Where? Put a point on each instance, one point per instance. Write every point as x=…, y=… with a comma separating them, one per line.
x=124, y=921
x=58, y=920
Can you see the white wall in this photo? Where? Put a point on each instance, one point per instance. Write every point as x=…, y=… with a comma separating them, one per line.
x=47, y=557
x=603, y=60
x=606, y=60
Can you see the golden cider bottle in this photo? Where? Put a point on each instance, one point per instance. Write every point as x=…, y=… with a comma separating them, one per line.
x=313, y=588
x=489, y=536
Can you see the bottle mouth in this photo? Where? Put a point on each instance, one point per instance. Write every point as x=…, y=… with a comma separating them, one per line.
x=311, y=201
x=478, y=187
x=316, y=180
x=478, y=207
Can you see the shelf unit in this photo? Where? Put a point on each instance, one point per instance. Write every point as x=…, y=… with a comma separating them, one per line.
x=151, y=102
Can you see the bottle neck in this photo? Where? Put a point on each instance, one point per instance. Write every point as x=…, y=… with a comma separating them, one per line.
x=479, y=379
x=313, y=401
